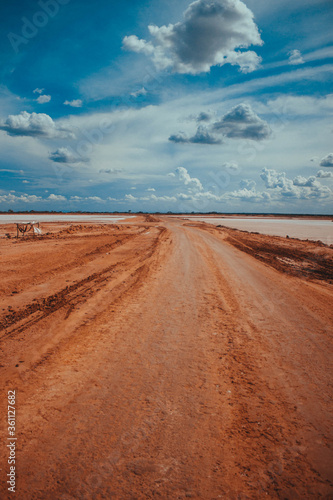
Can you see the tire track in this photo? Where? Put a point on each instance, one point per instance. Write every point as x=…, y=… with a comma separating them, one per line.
x=71, y=295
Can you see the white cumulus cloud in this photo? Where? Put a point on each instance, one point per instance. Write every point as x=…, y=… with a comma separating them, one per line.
x=212, y=33
x=25, y=198
x=321, y=174
x=94, y=198
x=56, y=197
x=192, y=182
x=327, y=161
x=130, y=197
x=202, y=136
x=299, y=188
x=242, y=123
x=306, y=182
x=34, y=125
x=75, y=103
x=295, y=57
x=43, y=99
x=250, y=195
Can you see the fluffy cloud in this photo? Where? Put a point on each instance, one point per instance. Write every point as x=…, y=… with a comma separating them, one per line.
x=56, y=197
x=94, y=198
x=64, y=155
x=133, y=43
x=130, y=197
x=273, y=179
x=242, y=123
x=151, y=197
x=202, y=198
x=279, y=189
x=155, y=198
x=321, y=174
x=327, y=161
x=192, y=182
x=88, y=198
x=295, y=57
x=202, y=117
x=250, y=195
x=38, y=91
x=25, y=198
x=209, y=35
x=76, y=103
x=34, y=125
x=42, y=99
x=299, y=188
x=202, y=136
x=306, y=182
x=180, y=138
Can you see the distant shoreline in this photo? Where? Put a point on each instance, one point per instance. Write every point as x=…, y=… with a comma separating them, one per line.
x=176, y=214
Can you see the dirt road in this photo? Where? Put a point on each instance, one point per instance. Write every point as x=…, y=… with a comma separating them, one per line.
x=156, y=360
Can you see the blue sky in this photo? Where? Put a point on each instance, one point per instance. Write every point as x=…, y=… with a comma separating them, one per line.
x=212, y=105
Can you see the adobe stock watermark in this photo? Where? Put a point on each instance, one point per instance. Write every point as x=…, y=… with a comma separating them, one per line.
x=31, y=27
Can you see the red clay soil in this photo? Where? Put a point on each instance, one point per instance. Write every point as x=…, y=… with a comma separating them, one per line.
x=160, y=359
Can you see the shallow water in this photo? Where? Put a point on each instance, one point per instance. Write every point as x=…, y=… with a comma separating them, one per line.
x=311, y=229
x=305, y=229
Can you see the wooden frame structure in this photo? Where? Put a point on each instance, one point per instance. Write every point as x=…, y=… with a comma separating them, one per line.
x=27, y=227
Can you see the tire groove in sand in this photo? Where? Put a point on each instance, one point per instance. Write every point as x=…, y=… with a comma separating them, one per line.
x=46, y=305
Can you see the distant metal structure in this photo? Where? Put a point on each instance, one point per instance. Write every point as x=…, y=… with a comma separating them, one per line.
x=27, y=227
